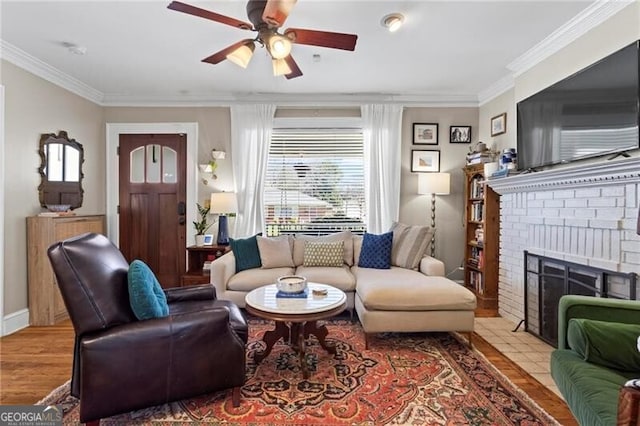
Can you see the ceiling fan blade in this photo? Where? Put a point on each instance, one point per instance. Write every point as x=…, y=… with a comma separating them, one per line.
x=322, y=38
x=206, y=14
x=295, y=69
x=277, y=11
x=220, y=56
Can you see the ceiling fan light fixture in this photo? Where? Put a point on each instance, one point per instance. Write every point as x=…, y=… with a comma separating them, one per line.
x=242, y=55
x=393, y=22
x=280, y=67
x=279, y=46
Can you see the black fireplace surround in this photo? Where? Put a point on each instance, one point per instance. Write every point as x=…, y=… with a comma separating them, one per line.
x=547, y=279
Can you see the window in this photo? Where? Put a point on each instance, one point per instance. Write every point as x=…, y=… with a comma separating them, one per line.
x=314, y=181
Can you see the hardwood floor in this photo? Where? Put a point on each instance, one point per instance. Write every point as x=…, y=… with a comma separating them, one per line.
x=36, y=360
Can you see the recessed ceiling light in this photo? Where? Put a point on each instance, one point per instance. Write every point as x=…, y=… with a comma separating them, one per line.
x=392, y=22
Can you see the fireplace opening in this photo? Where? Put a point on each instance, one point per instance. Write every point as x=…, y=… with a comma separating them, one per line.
x=547, y=279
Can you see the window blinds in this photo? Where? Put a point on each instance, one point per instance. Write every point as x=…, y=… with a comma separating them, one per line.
x=314, y=181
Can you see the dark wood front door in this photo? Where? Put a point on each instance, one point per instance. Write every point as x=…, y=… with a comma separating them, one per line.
x=152, y=199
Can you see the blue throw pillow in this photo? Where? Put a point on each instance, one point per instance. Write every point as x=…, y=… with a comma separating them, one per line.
x=376, y=251
x=146, y=297
x=246, y=253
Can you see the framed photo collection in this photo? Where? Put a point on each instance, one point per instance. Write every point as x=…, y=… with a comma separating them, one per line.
x=425, y=133
x=425, y=161
x=499, y=124
x=460, y=134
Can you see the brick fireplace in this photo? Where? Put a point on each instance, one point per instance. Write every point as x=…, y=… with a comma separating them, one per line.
x=585, y=214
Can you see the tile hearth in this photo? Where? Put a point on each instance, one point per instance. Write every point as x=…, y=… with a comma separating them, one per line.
x=527, y=351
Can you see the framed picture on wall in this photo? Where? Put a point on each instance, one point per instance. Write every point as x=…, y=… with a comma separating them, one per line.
x=460, y=134
x=425, y=133
x=425, y=161
x=499, y=124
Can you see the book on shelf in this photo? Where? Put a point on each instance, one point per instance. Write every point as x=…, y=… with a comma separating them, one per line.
x=478, y=159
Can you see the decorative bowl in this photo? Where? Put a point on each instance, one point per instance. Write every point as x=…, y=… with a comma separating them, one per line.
x=58, y=207
x=291, y=284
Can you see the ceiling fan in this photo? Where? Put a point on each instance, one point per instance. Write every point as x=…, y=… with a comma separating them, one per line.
x=266, y=17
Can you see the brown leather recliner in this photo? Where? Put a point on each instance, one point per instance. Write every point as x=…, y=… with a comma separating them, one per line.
x=121, y=364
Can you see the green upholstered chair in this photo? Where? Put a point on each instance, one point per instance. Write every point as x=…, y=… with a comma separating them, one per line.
x=592, y=390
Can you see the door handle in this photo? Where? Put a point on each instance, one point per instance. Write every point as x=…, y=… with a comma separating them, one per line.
x=181, y=212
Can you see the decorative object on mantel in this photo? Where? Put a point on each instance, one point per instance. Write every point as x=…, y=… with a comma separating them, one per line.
x=434, y=184
x=582, y=176
x=223, y=203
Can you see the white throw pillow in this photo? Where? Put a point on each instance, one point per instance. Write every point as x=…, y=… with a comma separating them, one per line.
x=410, y=243
x=275, y=252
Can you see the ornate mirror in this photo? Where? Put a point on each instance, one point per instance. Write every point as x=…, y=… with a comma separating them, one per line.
x=61, y=170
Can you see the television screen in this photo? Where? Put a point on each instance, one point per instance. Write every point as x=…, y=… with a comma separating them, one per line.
x=593, y=112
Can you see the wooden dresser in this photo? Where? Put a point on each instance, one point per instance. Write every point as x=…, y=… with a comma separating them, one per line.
x=45, y=302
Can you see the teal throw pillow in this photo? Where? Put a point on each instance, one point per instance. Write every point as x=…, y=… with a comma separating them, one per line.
x=609, y=344
x=246, y=253
x=146, y=297
x=376, y=251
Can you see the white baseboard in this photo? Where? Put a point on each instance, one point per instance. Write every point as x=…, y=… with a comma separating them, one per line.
x=15, y=321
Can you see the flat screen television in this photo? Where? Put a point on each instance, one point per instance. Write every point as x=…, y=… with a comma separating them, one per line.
x=591, y=113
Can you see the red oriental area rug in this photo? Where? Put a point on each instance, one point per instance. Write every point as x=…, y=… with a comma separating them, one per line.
x=402, y=379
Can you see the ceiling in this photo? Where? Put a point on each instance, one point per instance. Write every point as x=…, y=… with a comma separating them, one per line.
x=141, y=52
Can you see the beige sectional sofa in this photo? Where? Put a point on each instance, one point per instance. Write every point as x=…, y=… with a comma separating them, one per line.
x=398, y=299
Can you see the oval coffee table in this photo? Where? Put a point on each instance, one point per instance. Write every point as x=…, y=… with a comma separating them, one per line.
x=296, y=318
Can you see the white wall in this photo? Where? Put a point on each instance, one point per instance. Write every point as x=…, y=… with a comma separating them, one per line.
x=34, y=106
x=416, y=209
x=501, y=104
x=610, y=36
x=534, y=220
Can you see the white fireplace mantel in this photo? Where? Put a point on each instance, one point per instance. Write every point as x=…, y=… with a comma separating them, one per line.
x=599, y=174
x=584, y=214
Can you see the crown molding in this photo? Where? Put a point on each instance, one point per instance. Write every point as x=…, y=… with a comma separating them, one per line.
x=591, y=17
x=496, y=89
x=290, y=100
x=43, y=70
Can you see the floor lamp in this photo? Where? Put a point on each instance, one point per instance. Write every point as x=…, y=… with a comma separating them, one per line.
x=223, y=203
x=434, y=184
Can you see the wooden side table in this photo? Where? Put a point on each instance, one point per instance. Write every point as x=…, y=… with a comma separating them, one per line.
x=197, y=256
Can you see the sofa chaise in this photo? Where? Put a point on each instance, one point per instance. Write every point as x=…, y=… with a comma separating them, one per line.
x=398, y=299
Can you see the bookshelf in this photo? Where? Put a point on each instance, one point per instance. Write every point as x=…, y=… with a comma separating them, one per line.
x=482, y=238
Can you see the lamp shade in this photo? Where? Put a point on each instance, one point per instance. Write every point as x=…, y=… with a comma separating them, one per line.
x=242, y=55
x=280, y=67
x=434, y=183
x=224, y=202
x=279, y=46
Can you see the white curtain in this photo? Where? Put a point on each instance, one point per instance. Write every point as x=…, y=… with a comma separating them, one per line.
x=251, y=127
x=382, y=126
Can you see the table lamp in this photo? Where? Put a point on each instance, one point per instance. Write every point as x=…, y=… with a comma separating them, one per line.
x=223, y=203
x=434, y=184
